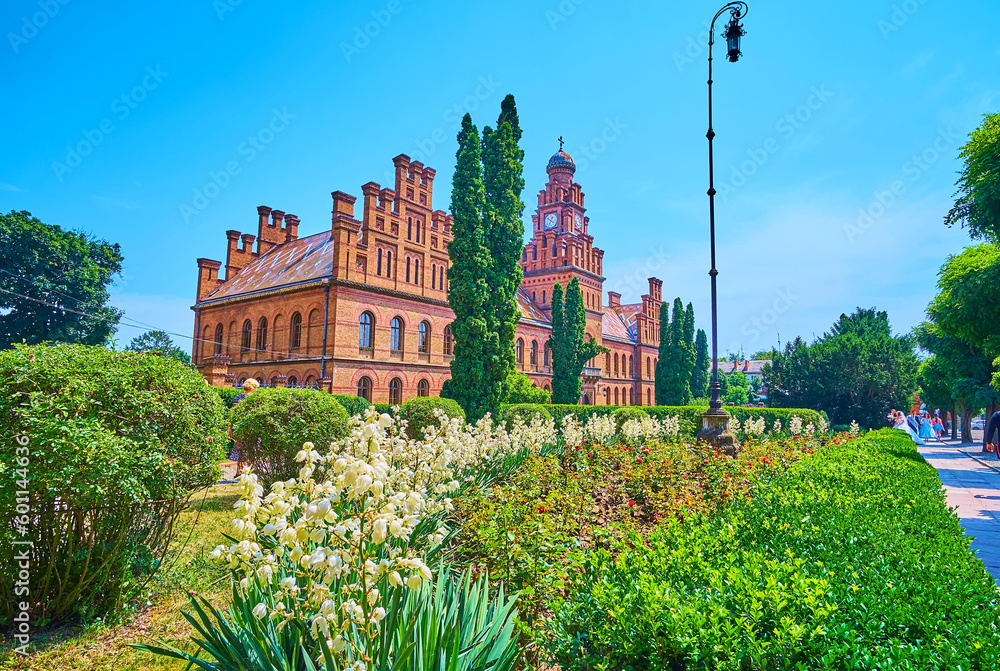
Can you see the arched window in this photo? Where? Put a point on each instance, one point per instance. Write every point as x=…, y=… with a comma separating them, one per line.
x=616, y=395
x=388, y=264
x=366, y=333
x=423, y=388
x=407, y=269
x=543, y=296
x=292, y=382
x=395, y=391
x=607, y=396
x=519, y=350
x=649, y=363
x=378, y=270
x=607, y=363
x=441, y=278
x=246, y=336
x=649, y=397
x=434, y=271
x=533, y=353
x=418, y=230
x=365, y=388
x=409, y=228
x=631, y=366
x=218, y=339
x=416, y=270
x=262, y=334
x=424, y=338
x=447, y=340
x=547, y=356
x=295, y=331
x=396, y=335
x=616, y=364
x=631, y=396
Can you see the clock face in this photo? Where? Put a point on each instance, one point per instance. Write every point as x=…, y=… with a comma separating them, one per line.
x=550, y=221
x=579, y=222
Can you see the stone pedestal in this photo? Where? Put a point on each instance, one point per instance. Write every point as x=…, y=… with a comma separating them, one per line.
x=326, y=384
x=715, y=431
x=217, y=369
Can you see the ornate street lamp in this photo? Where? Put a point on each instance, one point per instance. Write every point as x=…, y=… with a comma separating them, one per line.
x=715, y=422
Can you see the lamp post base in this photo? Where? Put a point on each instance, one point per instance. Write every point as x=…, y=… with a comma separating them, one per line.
x=715, y=431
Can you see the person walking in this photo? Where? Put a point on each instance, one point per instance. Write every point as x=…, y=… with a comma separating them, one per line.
x=938, y=426
x=926, y=432
x=993, y=428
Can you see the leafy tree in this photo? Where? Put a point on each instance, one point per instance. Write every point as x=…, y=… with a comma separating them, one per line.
x=702, y=366
x=675, y=367
x=158, y=342
x=738, y=389
x=503, y=237
x=855, y=372
x=571, y=350
x=519, y=389
x=57, y=284
x=977, y=203
x=471, y=385
x=761, y=355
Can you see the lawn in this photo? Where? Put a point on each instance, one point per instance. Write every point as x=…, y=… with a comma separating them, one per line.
x=101, y=647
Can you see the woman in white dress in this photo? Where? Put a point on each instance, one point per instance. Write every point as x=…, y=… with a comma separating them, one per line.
x=902, y=424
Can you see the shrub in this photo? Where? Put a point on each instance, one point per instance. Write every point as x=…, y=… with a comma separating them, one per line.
x=106, y=446
x=384, y=408
x=270, y=426
x=626, y=413
x=850, y=559
x=228, y=395
x=419, y=413
x=354, y=405
x=519, y=389
x=526, y=411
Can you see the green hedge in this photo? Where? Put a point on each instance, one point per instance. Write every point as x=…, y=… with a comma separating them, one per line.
x=354, y=405
x=270, y=426
x=526, y=411
x=419, y=413
x=849, y=560
x=106, y=446
x=228, y=395
x=690, y=415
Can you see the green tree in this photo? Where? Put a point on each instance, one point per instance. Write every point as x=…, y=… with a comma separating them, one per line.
x=738, y=389
x=56, y=284
x=702, y=366
x=675, y=367
x=158, y=342
x=503, y=237
x=977, y=202
x=855, y=372
x=519, y=389
x=470, y=385
x=571, y=350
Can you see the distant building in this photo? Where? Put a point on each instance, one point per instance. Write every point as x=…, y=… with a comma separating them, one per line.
x=362, y=307
x=753, y=369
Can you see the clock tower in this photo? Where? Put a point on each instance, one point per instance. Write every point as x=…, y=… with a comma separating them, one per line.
x=561, y=247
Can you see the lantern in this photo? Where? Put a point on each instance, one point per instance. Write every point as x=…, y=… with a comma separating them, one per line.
x=734, y=31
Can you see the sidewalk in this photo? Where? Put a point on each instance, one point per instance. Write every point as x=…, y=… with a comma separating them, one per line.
x=974, y=489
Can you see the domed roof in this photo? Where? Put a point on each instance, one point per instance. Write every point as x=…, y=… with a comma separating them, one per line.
x=561, y=160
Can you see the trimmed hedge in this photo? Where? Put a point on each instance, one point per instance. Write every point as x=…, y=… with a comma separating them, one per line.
x=419, y=413
x=354, y=405
x=270, y=426
x=690, y=415
x=849, y=560
x=526, y=411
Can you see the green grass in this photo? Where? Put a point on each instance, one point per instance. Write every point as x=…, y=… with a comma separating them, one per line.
x=104, y=647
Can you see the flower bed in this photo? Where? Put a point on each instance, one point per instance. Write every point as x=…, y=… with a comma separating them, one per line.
x=850, y=559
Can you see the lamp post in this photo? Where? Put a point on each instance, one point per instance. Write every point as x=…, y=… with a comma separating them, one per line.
x=715, y=422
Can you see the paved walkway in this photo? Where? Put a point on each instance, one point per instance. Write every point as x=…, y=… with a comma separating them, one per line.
x=974, y=488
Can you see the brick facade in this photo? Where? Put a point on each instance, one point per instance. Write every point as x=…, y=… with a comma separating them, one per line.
x=362, y=308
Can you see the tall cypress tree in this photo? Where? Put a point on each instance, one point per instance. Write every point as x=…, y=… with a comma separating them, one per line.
x=702, y=366
x=503, y=181
x=663, y=356
x=690, y=355
x=468, y=290
x=570, y=348
x=673, y=379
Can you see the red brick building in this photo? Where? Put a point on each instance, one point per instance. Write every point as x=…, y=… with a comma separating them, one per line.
x=362, y=307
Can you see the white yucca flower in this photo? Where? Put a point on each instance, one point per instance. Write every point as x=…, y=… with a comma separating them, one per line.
x=855, y=428
x=795, y=426
x=600, y=428
x=572, y=432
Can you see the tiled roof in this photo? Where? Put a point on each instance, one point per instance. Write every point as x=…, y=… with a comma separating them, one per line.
x=613, y=326
x=302, y=260
x=747, y=367
x=528, y=308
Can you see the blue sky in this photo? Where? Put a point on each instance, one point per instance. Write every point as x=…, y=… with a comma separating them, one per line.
x=836, y=153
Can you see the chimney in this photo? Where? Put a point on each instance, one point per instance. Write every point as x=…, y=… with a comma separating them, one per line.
x=276, y=217
x=291, y=227
x=262, y=213
x=614, y=299
x=248, y=239
x=343, y=204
